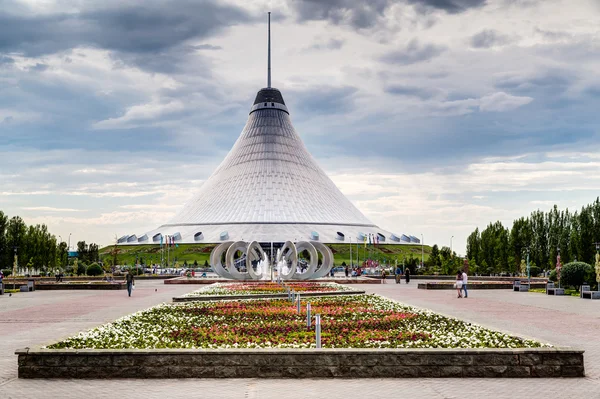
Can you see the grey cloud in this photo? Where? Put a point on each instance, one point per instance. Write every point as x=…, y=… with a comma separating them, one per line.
x=156, y=26
x=489, y=38
x=450, y=6
x=413, y=53
x=39, y=67
x=331, y=44
x=206, y=47
x=361, y=14
x=412, y=91
x=323, y=100
x=553, y=82
x=358, y=14
x=552, y=35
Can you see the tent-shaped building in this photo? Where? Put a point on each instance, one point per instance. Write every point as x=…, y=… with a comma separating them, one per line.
x=268, y=189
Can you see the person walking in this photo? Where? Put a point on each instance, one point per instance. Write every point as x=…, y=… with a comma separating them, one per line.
x=458, y=284
x=346, y=270
x=130, y=281
x=407, y=275
x=398, y=274
x=383, y=273
x=464, y=283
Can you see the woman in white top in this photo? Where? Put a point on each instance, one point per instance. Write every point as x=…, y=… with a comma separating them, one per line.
x=458, y=284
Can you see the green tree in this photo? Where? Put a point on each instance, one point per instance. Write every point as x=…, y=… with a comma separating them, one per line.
x=474, y=247
x=434, y=257
x=82, y=251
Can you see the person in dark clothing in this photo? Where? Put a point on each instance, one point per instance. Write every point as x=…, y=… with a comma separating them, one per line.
x=130, y=281
x=407, y=275
x=346, y=270
x=398, y=275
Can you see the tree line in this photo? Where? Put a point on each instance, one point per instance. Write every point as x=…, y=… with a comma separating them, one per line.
x=36, y=247
x=498, y=249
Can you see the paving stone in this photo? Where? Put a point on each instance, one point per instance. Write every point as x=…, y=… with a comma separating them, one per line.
x=42, y=317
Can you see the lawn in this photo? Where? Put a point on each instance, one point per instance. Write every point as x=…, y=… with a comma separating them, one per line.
x=151, y=254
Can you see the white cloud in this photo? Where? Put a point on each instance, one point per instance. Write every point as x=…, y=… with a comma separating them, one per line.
x=49, y=209
x=500, y=102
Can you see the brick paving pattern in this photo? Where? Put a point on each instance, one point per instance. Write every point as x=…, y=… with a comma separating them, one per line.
x=46, y=316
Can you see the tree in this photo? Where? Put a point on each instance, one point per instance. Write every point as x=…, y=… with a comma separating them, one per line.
x=474, y=247
x=82, y=251
x=92, y=253
x=434, y=257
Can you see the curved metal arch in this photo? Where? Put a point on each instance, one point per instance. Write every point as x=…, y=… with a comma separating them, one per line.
x=230, y=261
x=254, y=252
x=288, y=246
x=327, y=260
x=314, y=260
x=215, y=259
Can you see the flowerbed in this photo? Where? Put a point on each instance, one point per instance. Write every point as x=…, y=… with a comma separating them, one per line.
x=224, y=289
x=358, y=321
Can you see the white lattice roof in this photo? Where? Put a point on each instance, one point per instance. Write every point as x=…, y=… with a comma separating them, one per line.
x=269, y=188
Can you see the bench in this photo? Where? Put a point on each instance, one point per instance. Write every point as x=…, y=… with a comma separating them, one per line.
x=552, y=290
x=586, y=293
x=519, y=286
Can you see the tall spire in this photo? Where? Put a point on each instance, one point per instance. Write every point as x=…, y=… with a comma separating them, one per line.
x=269, y=62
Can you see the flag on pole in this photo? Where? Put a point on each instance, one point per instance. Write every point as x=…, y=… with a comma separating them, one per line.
x=161, y=239
x=365, y=241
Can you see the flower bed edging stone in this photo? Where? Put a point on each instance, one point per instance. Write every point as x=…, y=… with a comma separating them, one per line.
x=80, y=286
x=472, y=286
x=303, y=363
x=261, y=296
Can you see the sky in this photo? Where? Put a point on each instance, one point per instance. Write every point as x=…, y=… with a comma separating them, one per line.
x=433, y=117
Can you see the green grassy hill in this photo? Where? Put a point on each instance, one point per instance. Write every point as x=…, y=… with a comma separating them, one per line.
x=150, y=254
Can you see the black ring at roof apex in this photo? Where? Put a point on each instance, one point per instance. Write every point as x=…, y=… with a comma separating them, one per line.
x=269, y=95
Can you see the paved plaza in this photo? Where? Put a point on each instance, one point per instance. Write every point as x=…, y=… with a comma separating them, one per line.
x=41, y=317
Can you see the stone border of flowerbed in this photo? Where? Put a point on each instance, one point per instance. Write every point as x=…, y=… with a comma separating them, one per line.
x=500, y=285
x=80, y=286
x=261, y=296
x=211, y=280
x=302, y=363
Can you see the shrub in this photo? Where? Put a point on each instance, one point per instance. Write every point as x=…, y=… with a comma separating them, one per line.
x=343, y=263
x=81, y=267
x=6, y=272
x=552, y=276
x=575, y=274
x=94, y=270
x=534, y=271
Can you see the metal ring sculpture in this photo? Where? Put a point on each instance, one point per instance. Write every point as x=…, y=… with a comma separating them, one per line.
x=215, y=259
x=312, y=264
x=327, y=262
x=230, y=260
x=254, y=253
x=289, y=254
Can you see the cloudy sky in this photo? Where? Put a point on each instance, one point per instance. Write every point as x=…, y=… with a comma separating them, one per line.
x=433, y=116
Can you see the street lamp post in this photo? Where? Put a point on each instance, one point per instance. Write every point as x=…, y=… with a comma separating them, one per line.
x=528, y=270
x=451, y=245
x=350, y=238
x=422, y=250
x=61, y=266
x=69, y=246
